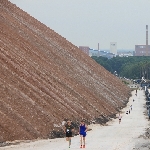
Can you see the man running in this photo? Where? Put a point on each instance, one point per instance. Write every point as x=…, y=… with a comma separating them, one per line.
x=119, y=117
x=129, y=111
x=82, y=131
x=149, y=112
x=68, y=129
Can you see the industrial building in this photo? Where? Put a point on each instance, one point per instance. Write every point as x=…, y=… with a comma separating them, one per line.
x=98, y=53
x=85, y=49
x=113, y=47
x=143, y=50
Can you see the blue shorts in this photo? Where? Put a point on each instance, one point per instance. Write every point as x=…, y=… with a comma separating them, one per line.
x=83, y=134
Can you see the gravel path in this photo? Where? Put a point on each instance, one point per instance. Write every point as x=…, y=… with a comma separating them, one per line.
x=114, y=136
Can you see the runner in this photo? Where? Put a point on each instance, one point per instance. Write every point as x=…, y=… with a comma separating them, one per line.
x=119, y=117
x=149, y=112
x=64, y=122
x=82, y=131
x=68, y=129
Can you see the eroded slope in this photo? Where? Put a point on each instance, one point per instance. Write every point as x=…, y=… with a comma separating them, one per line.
x=44, y=78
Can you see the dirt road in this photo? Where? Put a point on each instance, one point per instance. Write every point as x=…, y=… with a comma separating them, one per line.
x=113, y=136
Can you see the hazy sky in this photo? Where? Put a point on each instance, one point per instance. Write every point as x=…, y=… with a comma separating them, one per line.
x=89, y=22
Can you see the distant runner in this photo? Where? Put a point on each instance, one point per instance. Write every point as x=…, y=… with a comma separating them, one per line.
x=119, y=117
x=149, y=112
x=64, y=122
x=68, y=129
x=82, y=131
x=129, y=111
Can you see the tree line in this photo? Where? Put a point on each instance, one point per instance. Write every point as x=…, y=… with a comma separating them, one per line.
x=132, y=67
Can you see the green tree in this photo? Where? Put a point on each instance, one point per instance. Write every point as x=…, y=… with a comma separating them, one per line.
x=132, y=67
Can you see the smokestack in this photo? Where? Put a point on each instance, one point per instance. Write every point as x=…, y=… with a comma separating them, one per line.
x=98, y=46
x=146, y=40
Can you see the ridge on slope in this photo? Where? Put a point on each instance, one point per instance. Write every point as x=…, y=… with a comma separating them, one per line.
x=44, y=78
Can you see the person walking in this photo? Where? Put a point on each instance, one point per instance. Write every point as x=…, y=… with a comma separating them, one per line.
x=149, y=112
x=64, y=122
x=82, y=131
x=68, y=129
x=119, y=117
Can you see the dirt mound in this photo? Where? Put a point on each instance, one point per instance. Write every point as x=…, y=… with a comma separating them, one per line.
x=44, y=78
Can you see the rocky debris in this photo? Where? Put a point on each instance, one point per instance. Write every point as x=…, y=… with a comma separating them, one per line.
x=2, y=144
x=44, y=78
x=147, y=134
x=143, y=141
x=142, y=144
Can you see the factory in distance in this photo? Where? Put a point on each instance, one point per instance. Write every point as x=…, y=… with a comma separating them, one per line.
x=140, y=50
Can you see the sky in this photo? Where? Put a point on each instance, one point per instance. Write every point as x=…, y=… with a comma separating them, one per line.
x=89, y=22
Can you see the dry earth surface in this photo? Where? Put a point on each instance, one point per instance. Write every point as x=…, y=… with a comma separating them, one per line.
x=128, y=135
